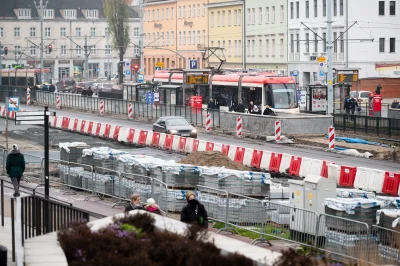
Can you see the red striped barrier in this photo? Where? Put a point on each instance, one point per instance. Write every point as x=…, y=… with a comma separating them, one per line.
x=331, y=138
x=347, y=176
x=195, y=145
x=98, y=128
x=107, y=131
x=169, y=140
x=143, y=137
x=295, y=164
x=182, y=144
x=131, y=135
x=239, y=155
x=209, y=146
x=156, y=139
x=83, y=124
x=256, y=159
x=225, y=149
x=391, y=183
x=275, y=162
x=116, y=132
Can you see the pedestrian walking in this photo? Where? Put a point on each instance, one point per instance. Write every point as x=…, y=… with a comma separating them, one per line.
x=52, y=88
x=152, y=207
x=194, y=212
x=134, y=204
x=15, y=166
x=90, y=92
x=350, y=105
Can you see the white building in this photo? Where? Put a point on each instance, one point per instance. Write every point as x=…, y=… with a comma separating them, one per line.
x=65, y=27
x=266, y=35
x=372, y=41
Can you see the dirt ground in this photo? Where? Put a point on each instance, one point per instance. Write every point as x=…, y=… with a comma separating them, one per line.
x=212, y=158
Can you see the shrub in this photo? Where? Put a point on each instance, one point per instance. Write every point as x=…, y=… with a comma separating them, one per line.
x=134, y=240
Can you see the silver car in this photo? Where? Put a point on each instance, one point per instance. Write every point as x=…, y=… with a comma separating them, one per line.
x=175, y=125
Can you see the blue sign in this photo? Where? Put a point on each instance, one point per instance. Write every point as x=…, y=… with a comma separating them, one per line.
x=158, y=68
x=299, y=95
x=127, y=64
x=321, y=64
x=295, y=73
x=127, y=72
x=98, y=70
x=13, y=104
x=321, y=73
x=140, y=78
x=193, y=64
x=149, y=97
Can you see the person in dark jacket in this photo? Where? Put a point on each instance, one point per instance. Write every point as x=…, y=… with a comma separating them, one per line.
x=350, y=105
x=89, y=92
x=395, y=104
x=194, y=212
x=15, y=166
x=52, y=88
x=211, y=104
x=84, y=92
x=268, y=111
x=251, y=107
x=240, y=107
x=134, y=204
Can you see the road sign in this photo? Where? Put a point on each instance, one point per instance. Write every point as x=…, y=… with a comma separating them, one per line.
x=347, y=76
x=295, y=73
x=32, y=118
x=193, y=64
x=160, y=64
x=140, y=78
x=127, y=64
x=158, y=68
x=127, y=72
x=321, y=75
x=197, y=79
x=321, y=64
x=98, y=70
x=13, y=104
x=321, y=59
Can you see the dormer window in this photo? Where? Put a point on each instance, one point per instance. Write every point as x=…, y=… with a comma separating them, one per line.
x=48, y=13
x=24, y=13
x=92, y=13
x=69, y=13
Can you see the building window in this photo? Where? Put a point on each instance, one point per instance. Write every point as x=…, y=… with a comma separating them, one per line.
x=172, y=38
x=92, y=32
x=184, y=11
x=341, y=42
x=48, y=13
x=204, y=37
x=281, y=49
x=108, y=49
x=24, y=13
x=172, y=13
x=292, y=43
x=223, y=19
x=266, y=47
x=392, y=8
x=32, y=32
x=47, y=32
x=91, y=13
x=162, y=14
x=239, y=19
x=33, y=50
x=78, y=32
x=229, y=18
x=334, y=42
x=298, y=43
x=324, y=44
x=69, y=13
x=63, y=32
x=1, y=32
x=273, y=47
x=381, y=45
x=240, y=42
x=267, y=13
x=341, y=8
x=218, y=18
x=136, y=51
x=167, y=13
x=204, y=10
x=260, y=15
x=148, y=15
x=324, y=8
x=315, y=43
x=273, y=14
x=291, y=10
x=189, y=37
x=63, y=50
x=307, y=9
x=212, y=20
x=78, y=50
x=198, y=10
x=253, y=16
x=381, y=8
x=184, y=37
x=180, y=38
x=189, y=11
x=17, y=32
x=315, y=8
x=282, y=14
x=392, y=45
x=307, y=42
x=167, y=39
x=135, y=31
x=93, y=50
x=198, y=37
x=297, y=10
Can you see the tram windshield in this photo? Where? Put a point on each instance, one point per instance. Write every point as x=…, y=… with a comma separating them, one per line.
x=284, y=96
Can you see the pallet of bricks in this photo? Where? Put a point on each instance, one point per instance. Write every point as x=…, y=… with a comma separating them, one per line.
x=72, y=151
x=388, y=239
x=347, y=237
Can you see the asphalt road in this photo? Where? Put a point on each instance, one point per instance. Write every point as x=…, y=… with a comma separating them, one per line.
x=310, y=152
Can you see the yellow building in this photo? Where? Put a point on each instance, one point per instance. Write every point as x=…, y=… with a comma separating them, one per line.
x=226, y=31
x=175, y=31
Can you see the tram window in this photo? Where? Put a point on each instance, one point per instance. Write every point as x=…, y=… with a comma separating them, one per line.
x=284, y=96
x=268, y=97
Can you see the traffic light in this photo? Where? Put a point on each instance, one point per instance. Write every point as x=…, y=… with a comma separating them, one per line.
x=5, y=50
x=136, y=67
x=135, y=64
x=50, y=48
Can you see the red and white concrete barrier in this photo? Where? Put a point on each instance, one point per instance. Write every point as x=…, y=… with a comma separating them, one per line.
x=239, y=127
x=101, y=107
x=58, y=101
x=208, y=123
x=130, y=111
x=277, y=130
x=331, y=138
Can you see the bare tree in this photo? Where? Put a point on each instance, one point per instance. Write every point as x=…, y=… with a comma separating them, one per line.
x=117, y=14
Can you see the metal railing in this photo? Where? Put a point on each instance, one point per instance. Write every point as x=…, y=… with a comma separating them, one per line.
x=367, y=125
x=196, y=116
x=17, y=91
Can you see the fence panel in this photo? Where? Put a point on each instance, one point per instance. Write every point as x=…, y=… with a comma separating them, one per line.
x=343, y=239
x=385, y=246
x=214, y=200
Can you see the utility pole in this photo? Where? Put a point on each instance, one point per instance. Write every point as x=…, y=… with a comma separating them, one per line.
x=330, y=61
x=141, y=32
x=40, y=8
x=86, y=62
x=347, y=33
x=108, y=55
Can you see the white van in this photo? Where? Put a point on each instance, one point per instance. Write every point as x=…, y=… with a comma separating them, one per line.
x=362, y=96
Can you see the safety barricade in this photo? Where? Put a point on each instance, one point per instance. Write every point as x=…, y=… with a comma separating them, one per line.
x=65, y=122
x=97, y=129
x=91, y=128
x=114, y=132
x=168, y=142
x=176, y=143
x=189, y=145
x=217, y=147
x=202, y=145
x=265, y=160
x=123, y=134
x=347, y=176
x=3, y=111
x=239, y=155
x=131, y=135
x=363, y=176
x=225, y=149
x=324, y=169
x=275, y=162
x=248, y=157
x=162, y=140
x=333, y=172
x=86, y=128
x=155, y=140
x=285, y=163
x=391, y=183
x=209, y=146
x=232, y=152
x=58, y=122
x=256, y=159
x=102, y=130
x=142, y=138
x=316, y=166
x=384, y=244
x=107, y=131
x=376, y=181
x=149, y=138
x=82, y=127
x=306, y=167
x=214, y=200
x=53, y=121
x=182, y=144
x=295, y=164
x=73, y=123
x=79, y=126
x=195, y=146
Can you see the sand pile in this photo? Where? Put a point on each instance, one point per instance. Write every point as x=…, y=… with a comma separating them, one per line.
x=212, y=158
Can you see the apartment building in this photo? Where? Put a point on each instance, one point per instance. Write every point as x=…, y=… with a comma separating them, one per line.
x=369, y=44
x=266, y=35
x=65, y=27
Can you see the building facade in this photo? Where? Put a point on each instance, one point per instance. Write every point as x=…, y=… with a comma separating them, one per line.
x=369, y=43
x=266, y=35
x=66, y=25
x=226, y=31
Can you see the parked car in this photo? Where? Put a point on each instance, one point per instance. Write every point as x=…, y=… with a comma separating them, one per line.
x=105, y=87
x=116, y=77
x=175, y=125
x=79, y=86
x=361, y=96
